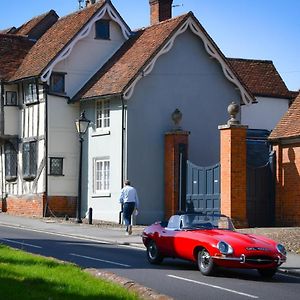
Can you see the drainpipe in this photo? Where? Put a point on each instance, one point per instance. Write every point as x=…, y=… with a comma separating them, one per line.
x=2, y=107
x=45, y=90
x=122, y=152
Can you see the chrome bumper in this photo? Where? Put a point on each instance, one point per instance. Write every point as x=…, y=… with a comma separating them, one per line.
x=243, y=259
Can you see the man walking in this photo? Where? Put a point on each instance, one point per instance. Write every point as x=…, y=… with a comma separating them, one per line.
x=130, y=201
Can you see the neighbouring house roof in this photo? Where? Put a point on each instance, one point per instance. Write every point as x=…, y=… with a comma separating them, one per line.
x=54, y=41
x=261, y=77
x=289, y=125
x=8, y=30
x=13, y=49
x=32, y=25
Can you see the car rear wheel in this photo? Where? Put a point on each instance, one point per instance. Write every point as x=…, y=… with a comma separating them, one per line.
x=153, y=254
x=205, y=263
x=267, y=273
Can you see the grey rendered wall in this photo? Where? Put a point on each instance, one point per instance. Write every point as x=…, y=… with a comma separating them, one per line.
x=104, y=145
x=188, y=79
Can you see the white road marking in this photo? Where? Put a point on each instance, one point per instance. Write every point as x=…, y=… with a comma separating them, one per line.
x=102, y=260
x=214, y=286
x=19, y=243
x=92, y=239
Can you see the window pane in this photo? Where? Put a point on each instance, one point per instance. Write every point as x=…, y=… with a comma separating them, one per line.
x=103, y=114
x=101, y=175
x=11, y=162
x=56, y=166
x=57, y=83
x=11, y=98
x=102, y=29
x=29, y=160
x=30, y=92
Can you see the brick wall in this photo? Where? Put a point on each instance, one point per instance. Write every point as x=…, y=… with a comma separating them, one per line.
x=61, y=206
x=233, y=173
x=27, y=205
x=288, y=185
x=171, y=168
x=34, y=205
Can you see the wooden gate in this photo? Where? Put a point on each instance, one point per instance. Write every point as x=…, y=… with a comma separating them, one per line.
x=261, y=164
x=203, y=188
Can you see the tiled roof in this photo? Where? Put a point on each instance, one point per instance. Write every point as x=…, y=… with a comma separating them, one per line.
x=26, y=28
x=119, y=72
x=13, y=49
x=54, y=41
x=289, y=125
x=8, y=30
x=261, y=77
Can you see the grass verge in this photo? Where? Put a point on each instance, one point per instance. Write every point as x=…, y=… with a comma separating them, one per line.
x=26, y=276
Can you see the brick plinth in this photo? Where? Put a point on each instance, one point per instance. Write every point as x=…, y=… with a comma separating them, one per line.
x=233, y=173
x=287, y=205
x=172, y=143
x=36, y=205
x=27, y=205
x=61, y=206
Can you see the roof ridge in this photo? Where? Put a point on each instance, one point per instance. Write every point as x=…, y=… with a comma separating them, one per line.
x=98, y=3
x=250, y=59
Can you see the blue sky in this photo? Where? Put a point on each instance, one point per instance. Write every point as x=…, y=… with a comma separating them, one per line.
x=259, y=29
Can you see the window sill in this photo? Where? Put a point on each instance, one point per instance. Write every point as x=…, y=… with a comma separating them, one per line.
x=11, y=178
x=101, y=195
x=100, y=132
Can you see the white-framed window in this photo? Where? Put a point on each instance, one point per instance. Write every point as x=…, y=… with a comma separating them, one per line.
x=103, y=114
x=101, y=175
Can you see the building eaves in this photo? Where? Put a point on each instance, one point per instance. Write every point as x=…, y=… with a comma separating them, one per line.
x=289, y=125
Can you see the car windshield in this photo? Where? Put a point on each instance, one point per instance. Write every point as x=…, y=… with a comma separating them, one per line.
x=199, y=221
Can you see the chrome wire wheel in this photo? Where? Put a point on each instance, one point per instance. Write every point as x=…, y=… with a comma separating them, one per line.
x=205, y=263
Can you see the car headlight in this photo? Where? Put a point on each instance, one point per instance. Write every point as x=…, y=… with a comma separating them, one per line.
x=225, y=248
x=281, y=249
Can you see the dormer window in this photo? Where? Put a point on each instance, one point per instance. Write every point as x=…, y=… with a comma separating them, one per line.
x=102, y=30
x=57, y=83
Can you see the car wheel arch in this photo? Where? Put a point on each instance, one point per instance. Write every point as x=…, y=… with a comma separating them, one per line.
x=196, y=250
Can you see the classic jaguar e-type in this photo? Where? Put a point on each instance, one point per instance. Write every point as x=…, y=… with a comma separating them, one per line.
x=211, y=241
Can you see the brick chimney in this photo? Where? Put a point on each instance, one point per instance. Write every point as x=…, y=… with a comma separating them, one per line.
x=160, y=10
x=89, y=2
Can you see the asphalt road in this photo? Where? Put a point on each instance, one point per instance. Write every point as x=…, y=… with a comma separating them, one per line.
x=175, y=278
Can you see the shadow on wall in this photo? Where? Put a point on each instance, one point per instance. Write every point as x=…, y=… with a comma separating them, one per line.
x=289, y=188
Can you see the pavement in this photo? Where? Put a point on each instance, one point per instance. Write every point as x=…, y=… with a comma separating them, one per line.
x=107, y=232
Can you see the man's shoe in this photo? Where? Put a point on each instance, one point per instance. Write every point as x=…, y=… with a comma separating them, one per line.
x=130, y=229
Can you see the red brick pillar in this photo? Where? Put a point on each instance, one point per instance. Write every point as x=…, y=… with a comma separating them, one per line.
x=173, y=142
x=233, y=173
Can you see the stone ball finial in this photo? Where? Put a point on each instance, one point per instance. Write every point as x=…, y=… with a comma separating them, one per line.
x=233, y=109
x=177, y=117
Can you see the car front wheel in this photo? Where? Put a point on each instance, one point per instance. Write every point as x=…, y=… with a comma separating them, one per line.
x=153, y=254
x=205, y=263
x=267, y=273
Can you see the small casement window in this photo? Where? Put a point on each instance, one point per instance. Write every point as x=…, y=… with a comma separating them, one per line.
x=101, y=175
x=11, y=98
x=103, y=114
x=29, y=160
x=57, y=83
x=11, y=162
x=56, y=166
x=102, y=30
x=30, y=92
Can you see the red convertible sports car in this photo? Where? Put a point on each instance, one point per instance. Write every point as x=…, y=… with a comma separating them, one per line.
x=211, y=241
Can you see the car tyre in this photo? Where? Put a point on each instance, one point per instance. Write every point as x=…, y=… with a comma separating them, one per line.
x=267, y=273
x=205, y=263
x=153, y=254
